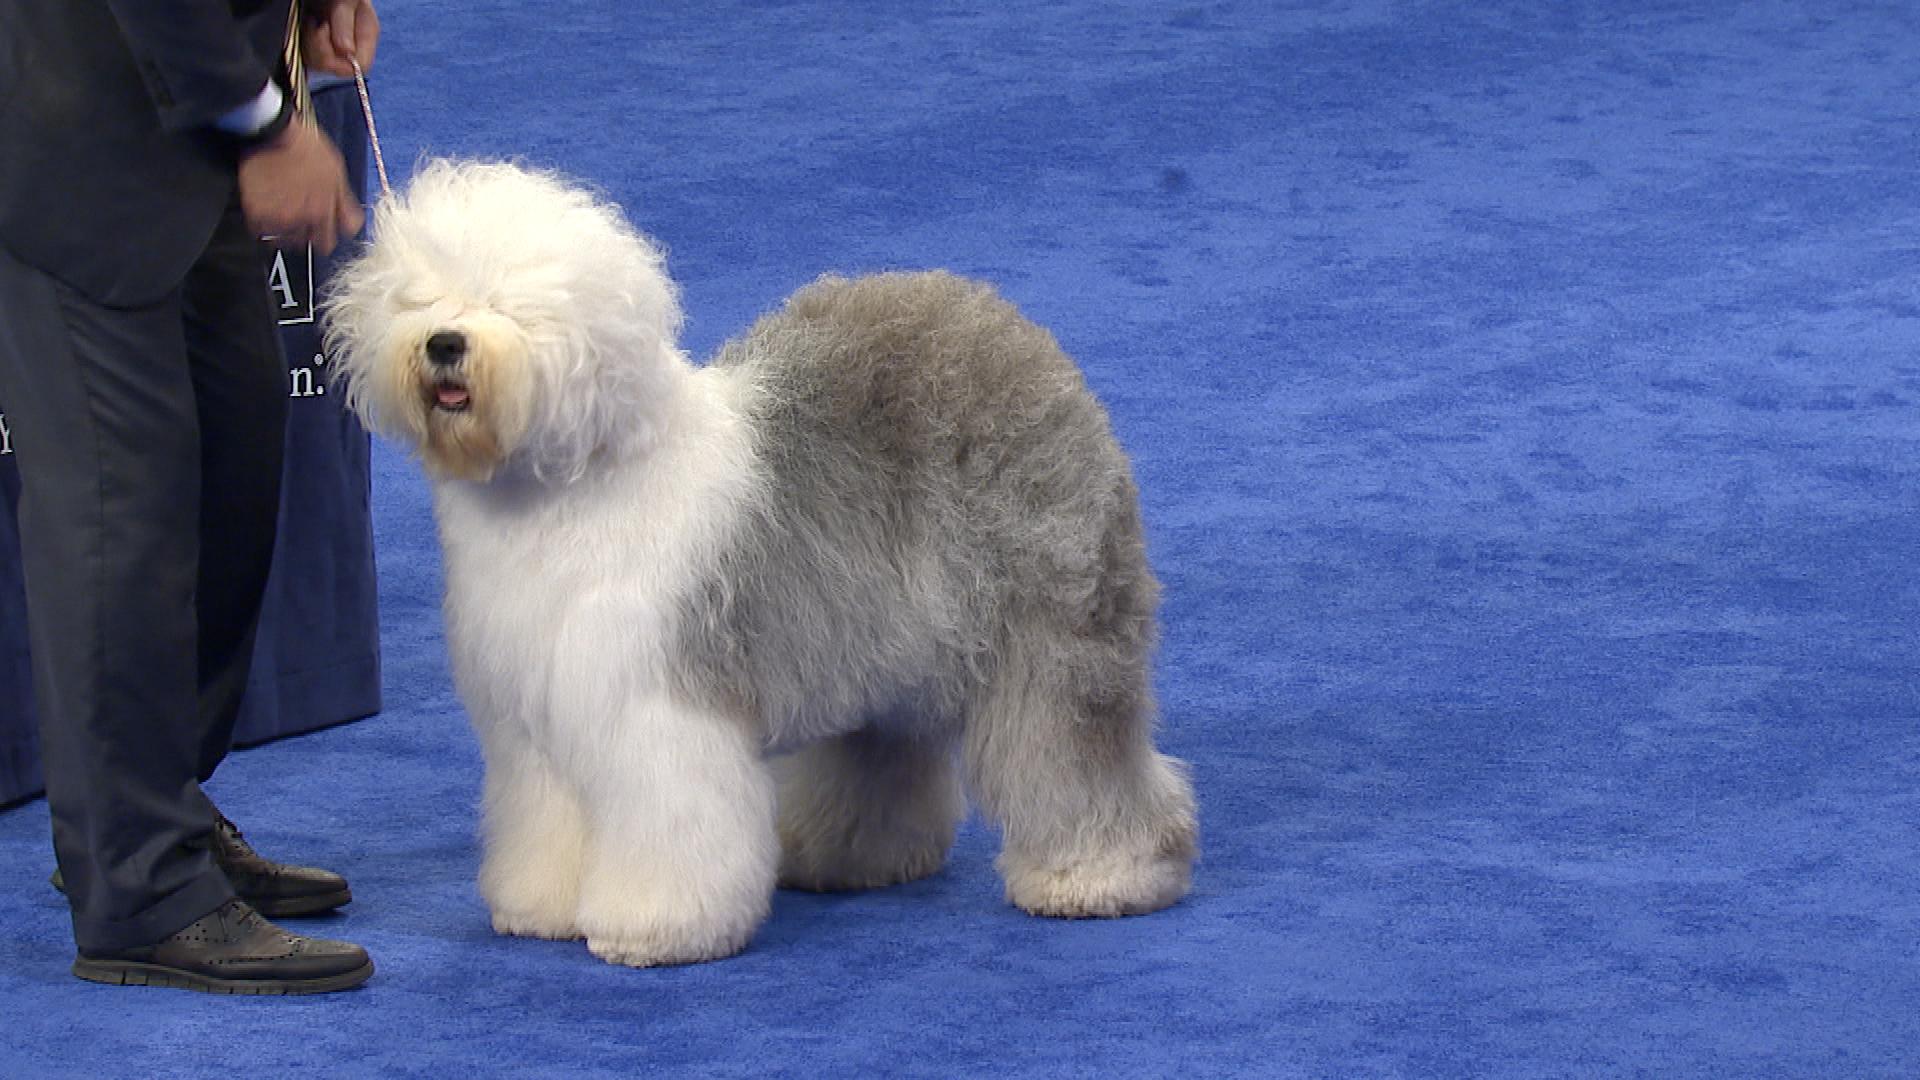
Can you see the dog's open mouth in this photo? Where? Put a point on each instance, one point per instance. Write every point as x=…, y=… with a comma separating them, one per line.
x=449, y=395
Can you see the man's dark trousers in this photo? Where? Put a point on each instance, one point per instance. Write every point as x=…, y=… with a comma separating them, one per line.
x=149, y=441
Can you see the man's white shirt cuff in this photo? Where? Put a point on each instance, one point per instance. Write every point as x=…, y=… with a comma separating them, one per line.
x=253, y=117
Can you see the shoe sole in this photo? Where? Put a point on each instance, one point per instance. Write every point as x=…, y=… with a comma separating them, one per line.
x=128, y=973
x=287, y=907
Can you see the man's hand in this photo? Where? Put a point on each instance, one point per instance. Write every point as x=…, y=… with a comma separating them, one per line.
x=337, y=33
x=295, y=190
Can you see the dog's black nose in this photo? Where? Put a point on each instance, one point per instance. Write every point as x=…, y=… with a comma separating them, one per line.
x=447, y=347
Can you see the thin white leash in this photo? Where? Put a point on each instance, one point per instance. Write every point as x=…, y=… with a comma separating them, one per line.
x=373, y=133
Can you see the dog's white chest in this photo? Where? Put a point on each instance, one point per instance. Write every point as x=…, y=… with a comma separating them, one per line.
x=571, y=602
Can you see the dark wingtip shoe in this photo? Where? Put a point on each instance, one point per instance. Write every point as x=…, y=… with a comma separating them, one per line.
x=233, y=950
x=276, y=890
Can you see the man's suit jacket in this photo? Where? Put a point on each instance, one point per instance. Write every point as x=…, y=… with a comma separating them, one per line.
x=111, y=176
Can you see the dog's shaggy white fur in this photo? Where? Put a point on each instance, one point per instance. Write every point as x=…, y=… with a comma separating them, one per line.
x=760, y=621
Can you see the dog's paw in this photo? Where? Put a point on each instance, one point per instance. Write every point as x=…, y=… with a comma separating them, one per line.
x=1099, y=887
x=658, y=947
x=548, y=926
x=647, y=925
x=1102, y=885
x=535, y=905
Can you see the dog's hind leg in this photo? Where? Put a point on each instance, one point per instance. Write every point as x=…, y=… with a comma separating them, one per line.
x=1059, y=752
x=535, y=840
x=868, y=809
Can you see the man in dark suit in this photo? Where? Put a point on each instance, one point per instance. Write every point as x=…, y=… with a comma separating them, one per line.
x=145, y=148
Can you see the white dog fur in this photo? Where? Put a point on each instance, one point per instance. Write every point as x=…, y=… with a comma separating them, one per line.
x=763, y=620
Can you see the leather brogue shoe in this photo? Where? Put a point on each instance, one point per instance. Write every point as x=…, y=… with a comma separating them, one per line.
x=276, y=890
x=233, y=950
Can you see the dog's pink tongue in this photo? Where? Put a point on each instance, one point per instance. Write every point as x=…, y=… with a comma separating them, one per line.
x=453, y=397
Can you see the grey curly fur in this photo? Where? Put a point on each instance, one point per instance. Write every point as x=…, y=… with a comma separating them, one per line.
x=947, y=550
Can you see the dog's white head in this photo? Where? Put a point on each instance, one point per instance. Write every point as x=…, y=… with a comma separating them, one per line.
x=502, y=315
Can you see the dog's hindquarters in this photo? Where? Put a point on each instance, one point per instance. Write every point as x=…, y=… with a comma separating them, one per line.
x=951, y=523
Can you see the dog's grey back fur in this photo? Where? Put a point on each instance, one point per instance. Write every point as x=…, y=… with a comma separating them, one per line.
x=941, y=490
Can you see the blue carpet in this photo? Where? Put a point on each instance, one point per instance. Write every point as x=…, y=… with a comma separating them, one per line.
x=1524, y=402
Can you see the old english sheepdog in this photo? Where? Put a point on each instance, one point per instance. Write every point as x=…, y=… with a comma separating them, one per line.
x=768, y=620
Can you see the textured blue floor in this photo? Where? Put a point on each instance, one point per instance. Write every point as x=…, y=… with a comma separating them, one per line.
x=1524, y=399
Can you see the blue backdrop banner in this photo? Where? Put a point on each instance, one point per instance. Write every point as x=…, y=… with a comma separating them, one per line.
x=318, y=658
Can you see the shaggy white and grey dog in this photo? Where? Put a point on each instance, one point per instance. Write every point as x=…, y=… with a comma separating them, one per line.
x=761, y=621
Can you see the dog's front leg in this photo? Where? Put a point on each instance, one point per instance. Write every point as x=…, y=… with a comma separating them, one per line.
x=682, y=850
x=536, y=836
